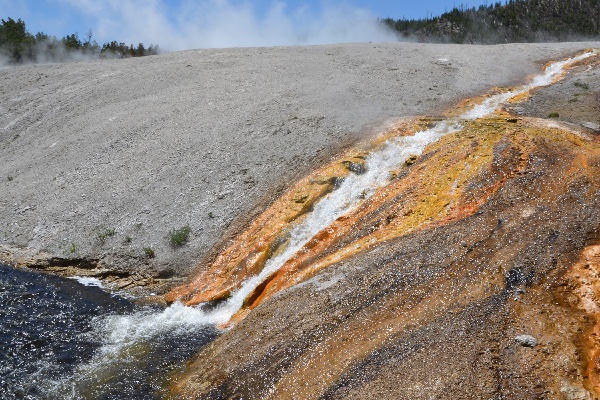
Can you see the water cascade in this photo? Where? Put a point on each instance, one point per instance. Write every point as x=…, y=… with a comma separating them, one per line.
x=333, y=213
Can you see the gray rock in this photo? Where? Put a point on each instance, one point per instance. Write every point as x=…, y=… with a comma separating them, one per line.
x=575, y=393
x=518, y=110
x=526, y=340
x=592, y=126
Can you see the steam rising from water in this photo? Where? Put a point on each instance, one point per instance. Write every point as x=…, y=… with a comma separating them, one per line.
x=229, y=23
x=214, y=24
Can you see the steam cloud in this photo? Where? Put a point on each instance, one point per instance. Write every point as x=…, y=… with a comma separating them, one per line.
x=225, y=23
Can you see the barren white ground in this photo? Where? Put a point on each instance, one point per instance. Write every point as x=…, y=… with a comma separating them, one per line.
x=206, y=138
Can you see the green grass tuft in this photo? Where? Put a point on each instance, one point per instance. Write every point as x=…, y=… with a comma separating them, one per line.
x=149, y=252
x=109, y=232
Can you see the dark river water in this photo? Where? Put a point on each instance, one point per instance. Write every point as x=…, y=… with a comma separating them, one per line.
x=60, y=339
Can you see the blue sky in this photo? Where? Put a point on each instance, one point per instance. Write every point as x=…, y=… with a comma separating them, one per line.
x=184, y=24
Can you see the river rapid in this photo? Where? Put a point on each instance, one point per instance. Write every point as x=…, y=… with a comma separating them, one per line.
x=57, y=341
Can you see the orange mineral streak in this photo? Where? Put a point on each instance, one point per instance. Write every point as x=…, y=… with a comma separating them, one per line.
x=429, y=194
x=463, y=170
x=266, y=235
x=584, y=279
x=452, y=180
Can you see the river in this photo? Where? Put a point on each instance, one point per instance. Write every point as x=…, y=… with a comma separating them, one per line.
x=57, y=341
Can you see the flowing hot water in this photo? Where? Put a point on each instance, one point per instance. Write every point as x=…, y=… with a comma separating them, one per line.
x=121, y=335
x=356, y=188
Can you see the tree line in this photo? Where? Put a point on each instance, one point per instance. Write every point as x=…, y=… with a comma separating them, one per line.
x=513, y=21
x=17, y=46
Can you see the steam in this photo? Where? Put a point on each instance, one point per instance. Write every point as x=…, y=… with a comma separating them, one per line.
x=229, y=23
x=4, y=62
x=53, y=50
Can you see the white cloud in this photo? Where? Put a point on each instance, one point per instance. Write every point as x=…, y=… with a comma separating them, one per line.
x=221, y=23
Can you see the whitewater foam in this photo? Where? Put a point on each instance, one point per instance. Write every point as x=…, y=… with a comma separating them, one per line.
x=87, y=281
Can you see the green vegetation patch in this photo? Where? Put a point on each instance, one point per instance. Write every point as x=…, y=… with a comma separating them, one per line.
x=179, y=237
x=149, y=252
x=19, y=46
x=105, y=234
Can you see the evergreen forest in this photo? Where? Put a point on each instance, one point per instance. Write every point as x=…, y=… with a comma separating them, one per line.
x=18, y=45
x=508, y=22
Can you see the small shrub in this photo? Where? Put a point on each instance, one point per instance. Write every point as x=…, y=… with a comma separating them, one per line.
x=582, y=85
x=149, y=252
x=553, y=115
x=127, y=239
x=10, y=178
x=73, y=248
x=106, y=234
x=179, y=237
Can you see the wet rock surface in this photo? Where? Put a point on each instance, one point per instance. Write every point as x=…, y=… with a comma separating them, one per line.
x=434, y=312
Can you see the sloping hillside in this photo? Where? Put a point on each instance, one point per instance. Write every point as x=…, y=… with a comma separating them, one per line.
x=472, y=274
x=102, y=160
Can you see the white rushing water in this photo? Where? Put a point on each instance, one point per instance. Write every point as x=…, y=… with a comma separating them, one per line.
x=355, y=189
x=118, y=333
x=379, y=164
x=87, y=280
